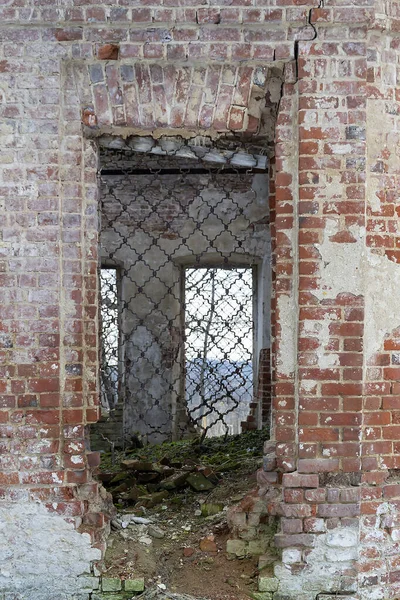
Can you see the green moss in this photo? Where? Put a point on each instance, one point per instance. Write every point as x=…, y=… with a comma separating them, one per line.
x=111, y=584
x=134, y=585
x=223, y=453
x=119, y=477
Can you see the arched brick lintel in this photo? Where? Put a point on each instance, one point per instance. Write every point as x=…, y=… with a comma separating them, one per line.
x=213, y=99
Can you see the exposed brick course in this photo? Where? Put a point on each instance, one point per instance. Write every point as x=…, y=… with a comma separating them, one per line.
x=71, y=73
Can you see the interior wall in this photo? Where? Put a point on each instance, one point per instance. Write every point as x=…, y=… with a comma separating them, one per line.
x=171, y=221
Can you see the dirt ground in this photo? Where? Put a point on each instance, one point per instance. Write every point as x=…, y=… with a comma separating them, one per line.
x=182, y=549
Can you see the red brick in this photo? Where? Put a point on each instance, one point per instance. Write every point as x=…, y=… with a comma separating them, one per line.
x=291, y=525
x=318, y=434
x=317, y=465
x=77, y=476
x=291, y=541
x=391, y=491
x=295, y=480
x=108, y=52
x=317, y=495
x=44, y=385
x=72, y=416
x=338, y=510
x=294, y=496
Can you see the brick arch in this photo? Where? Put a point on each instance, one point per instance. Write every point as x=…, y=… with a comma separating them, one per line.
x=208, y=97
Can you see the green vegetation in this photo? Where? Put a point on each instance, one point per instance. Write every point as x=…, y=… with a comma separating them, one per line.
x=222, y=453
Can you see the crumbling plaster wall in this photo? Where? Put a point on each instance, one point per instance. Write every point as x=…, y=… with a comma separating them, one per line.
x=48, y=253
x=49, y=200
x=28, y=570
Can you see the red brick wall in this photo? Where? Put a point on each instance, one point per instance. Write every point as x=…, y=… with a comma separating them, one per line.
x=341, y=415
x=260, y=408
x=284, y=273
x=49, y=188
x=336, y=172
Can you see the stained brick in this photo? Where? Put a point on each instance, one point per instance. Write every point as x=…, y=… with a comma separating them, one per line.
x=322, y=158
x=296, y=480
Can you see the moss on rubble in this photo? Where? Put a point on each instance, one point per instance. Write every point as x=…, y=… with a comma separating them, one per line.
x=222, y=453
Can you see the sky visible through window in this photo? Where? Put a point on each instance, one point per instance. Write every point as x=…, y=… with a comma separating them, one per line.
x=219, y=313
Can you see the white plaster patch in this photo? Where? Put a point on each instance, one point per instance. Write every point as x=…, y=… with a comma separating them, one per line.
x=331, y=187
x=341, y=263
x=373, y=594
x=46, y=556
x=342, y=537
x=330, y=359
x=310, y=119
x=382, y=299
x=327, y=562
x=342, y=149
x=395, y=535
x=373, y=198
x=291, y=556
x=310, y=328
x=286, y=356
x=308, y=385
x=355, y=269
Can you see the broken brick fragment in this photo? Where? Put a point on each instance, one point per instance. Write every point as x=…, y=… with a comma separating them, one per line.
x=88, y=117
x=208, y=545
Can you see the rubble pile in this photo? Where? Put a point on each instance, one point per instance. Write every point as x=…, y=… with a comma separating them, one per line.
x=148, y=476
x=145, y=484
x=171, y=526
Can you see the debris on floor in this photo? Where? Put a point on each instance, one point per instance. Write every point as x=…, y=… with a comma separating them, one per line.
x=158, y=594
x=171, y=526
x=147, y=476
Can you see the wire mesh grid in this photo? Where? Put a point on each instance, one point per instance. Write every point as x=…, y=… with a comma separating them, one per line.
x=219, y=347
x=183, y=230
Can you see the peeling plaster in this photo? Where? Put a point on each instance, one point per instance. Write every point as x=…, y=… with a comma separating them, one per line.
x=327, y=561
x=326, y=359
x=374, y=186
x=42, y=556
x=355, y=269
x=287, y=351
x=382, y=279
x=286, y=356
x=308, y=385
x=341, y=270
x=331, y=187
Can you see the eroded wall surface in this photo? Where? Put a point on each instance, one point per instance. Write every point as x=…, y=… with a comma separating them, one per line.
x=318, y=82
x=336, y=389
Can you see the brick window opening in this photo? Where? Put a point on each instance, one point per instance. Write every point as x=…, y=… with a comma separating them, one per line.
x=109, y=337
x=184, y=243
x=219, y=343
